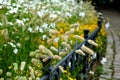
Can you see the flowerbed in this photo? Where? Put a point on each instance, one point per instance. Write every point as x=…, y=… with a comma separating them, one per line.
x=32, y=31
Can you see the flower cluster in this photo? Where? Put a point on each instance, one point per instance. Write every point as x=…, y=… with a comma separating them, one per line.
x=32, y=31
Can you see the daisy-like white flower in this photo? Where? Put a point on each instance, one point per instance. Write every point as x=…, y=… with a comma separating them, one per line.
x=91, y=72
x=104, y=60
x=13, y=10
x=82, y=14
x=44, y=37
x=56, y=39
x=19, y=22
x=45, y=25
x=30, y=29
x=1, y=7
x=18, y=44
x=12, y=44
x=15, y=50
x=0, y=24
x=40, y=30
x=107, y=25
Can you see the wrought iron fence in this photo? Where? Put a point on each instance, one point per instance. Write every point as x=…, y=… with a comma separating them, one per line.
x=73, y=60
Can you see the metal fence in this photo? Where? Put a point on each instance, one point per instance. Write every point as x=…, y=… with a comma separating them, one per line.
x=73, y=60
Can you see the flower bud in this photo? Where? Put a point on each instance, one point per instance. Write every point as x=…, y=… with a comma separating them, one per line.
x=15, y=66
x=79, y=37
x=75, y=25
x=53, y=32
x=35, y=61
x=8, y=74
x=92, y=43
x=61, y=68
x=32, y=54
x=66, y=45
x=45, y=59
x=86, y=49
x=22, y=66
x=5, y=34
x=1, y=71
x=80, y=52
x=45, y=15
x=69, y=32
x=57, y=57
x=53, y=49
x=62, y=53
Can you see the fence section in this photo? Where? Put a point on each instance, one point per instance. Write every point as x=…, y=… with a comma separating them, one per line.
x=73, y=60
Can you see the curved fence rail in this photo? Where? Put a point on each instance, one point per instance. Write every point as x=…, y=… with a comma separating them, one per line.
x=73, y=60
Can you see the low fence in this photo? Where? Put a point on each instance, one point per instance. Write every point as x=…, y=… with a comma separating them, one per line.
x=73, y=60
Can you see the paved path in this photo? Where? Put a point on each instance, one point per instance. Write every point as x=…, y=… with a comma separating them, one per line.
x=112, y=66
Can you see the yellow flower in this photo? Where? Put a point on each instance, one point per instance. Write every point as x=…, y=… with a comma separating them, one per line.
x=10, y=67
x=55, y=44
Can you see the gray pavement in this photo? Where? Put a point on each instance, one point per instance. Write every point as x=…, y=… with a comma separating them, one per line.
x=112, y=66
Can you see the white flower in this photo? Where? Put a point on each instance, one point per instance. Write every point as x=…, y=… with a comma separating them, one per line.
x=68, y=14
x=41, y=13
x=82, y=14
x=11, y=44
x=69, y=64
x=94, y=56
x=52, y=25
x=104, y=60
x=37, y=28
x=91, y=72
x=0, y=24
x=40, y=30
x=13, y=10
x=15, y=50
x=45, y=25
x=30, y=29
x=0, y=7
x=10, y=23
x=53, y=15
x=44, y=37
x=18, y=44
x=19, y=22
x=56, y=39
x=107, y=25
